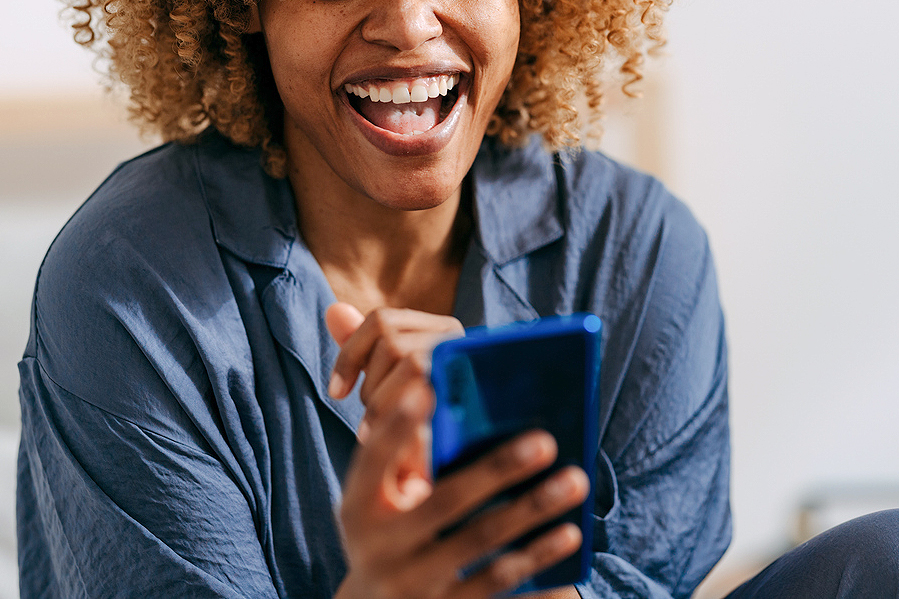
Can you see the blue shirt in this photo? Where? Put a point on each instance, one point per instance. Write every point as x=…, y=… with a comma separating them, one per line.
x=177, y=437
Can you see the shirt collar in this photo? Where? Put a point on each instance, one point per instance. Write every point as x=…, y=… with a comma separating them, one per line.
x=253, y=215
x=516, y=200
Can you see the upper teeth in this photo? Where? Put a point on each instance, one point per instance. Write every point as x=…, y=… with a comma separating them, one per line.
x=401, y=92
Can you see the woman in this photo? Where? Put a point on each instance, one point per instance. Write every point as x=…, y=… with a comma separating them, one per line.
x=349, y=182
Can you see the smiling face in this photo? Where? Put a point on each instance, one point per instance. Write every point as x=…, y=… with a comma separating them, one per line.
x=436, y=68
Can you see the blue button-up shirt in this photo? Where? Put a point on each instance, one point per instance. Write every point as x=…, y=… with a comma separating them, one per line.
x=177, y=437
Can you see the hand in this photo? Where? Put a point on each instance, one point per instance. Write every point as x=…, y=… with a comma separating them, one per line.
x=392, y=347
x=395, y=550
x=393, y=514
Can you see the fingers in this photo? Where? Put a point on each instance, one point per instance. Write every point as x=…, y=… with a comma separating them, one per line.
x=388, y=328
x=458, y=494
x=408, y=373
x=443, y=558
x=405, y=549
x=393, y=517
x=415, y=345
x=501, y=525
x=343, y=319
x=513, y=568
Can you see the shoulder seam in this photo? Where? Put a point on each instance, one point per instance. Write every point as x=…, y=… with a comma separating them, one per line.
x=140, y=427
x=40, y=269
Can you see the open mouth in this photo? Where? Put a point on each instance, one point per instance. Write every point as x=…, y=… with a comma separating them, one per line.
x=405, y=107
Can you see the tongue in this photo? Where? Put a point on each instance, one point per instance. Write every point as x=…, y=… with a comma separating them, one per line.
x=402, y=118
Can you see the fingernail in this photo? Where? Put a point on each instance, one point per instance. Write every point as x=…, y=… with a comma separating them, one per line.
x=337, y=386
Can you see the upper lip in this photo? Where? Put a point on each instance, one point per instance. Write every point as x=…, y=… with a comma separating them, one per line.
x=391, y=72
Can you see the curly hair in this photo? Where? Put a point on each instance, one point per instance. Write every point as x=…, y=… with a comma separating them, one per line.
x=189, y=64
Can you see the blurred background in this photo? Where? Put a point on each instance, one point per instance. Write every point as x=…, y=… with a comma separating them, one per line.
x=776, y=121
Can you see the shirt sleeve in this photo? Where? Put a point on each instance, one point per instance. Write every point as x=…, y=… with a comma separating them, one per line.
x=662, y=516
x=130, y=483
x=107, y=508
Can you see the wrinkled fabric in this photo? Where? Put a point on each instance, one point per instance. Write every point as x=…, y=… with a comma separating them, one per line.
x=858, y=558
x=177, y=438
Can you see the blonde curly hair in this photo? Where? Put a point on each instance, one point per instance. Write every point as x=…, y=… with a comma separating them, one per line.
x=189, y=64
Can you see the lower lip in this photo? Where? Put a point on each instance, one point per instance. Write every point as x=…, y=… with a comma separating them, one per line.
x=421, y=144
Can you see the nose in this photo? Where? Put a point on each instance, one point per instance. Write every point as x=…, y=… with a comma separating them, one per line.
x=402, y=24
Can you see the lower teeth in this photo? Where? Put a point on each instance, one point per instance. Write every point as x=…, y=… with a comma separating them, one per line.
x=446, y=106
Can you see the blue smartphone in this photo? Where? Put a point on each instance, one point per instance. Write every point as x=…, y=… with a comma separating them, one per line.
x=495, y=383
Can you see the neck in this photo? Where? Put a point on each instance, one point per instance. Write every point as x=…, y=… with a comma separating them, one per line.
x=378, y=256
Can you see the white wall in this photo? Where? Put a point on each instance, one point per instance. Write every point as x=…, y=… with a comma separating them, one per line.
x=785, y=141
x=38, y=53
x=778, y=122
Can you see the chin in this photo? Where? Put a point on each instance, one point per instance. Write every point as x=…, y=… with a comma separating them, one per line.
x=414, y=197
x=412, y=187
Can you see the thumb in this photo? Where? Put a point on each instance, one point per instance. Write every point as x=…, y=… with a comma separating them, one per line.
x=343, y=319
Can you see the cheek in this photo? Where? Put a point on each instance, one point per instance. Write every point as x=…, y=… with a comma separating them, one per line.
x=302, y=78
x=301, y=61
x=498, y=36
x=294, y=65
x=512, y=28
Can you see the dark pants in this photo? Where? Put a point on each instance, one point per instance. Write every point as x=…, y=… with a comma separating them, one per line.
x=857, y=559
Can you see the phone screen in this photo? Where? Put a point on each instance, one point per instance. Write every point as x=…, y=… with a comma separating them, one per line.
x=497, y=383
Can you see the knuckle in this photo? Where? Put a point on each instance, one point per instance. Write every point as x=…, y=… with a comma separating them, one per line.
x=381, y=319
x=391, y=346
x=415, y=364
